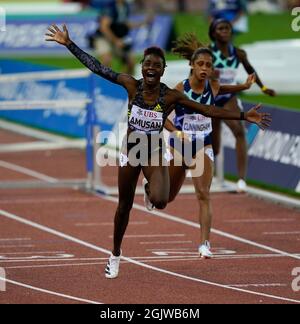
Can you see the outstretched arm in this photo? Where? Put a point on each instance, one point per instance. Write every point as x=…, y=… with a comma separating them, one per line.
x=263, y=120
x=224, y=89
x=250, y=69
x=62, y=37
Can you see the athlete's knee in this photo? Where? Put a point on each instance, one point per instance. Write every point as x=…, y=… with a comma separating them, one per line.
x=124, y=207
x=203, y=195
x=159, y=203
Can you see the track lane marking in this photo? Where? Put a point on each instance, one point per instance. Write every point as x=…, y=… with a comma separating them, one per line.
x=140, y=264
x=196, y=225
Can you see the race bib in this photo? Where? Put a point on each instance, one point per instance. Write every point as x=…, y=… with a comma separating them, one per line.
x=197, y=124
x=146, y=121
x=228, y=76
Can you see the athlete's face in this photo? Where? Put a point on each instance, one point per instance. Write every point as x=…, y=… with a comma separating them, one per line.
x=153, y=69
x=223, y=33
x=202, y=67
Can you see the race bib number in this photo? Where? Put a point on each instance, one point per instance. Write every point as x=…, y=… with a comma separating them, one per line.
x=228, y=76
x=197, y=124
x=145, y=120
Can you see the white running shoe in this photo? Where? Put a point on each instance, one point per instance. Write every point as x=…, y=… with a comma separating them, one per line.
x=112, y=268
x=241, y=186
x=205, y=250
x=148, y=203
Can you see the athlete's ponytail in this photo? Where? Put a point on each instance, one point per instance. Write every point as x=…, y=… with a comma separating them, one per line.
x=189, y=47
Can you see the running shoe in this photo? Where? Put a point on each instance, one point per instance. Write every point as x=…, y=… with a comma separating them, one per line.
x=241, y=186
x=112, y=268
x=148, y=203
x=205, y=250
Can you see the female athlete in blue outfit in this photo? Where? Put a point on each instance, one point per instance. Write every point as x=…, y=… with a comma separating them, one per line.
x=197, y=128
x=227, y=59
x=150, y=103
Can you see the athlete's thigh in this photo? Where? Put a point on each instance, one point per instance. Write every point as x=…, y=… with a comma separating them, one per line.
x=177, y=172
x=216, y=135
x=236, y=126
x=203, y=183
x=128, y=178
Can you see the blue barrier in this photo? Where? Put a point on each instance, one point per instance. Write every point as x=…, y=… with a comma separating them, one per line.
x=25, y=36
x=108, y=100
x=274, y=155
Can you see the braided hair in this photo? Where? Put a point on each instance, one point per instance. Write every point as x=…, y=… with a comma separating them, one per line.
x=189, y=47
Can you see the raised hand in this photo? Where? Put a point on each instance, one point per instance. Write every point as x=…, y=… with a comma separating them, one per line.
x=263, y=120
x=270, y=92
x=54, y=34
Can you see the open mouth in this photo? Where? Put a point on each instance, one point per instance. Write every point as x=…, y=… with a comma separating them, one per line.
x=151, y=75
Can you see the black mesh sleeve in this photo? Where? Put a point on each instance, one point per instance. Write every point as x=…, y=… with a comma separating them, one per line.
x=92, y=64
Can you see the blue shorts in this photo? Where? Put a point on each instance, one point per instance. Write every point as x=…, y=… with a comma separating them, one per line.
x=195, y=145
x=221, y=101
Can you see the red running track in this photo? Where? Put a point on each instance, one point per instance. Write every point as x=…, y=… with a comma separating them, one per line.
x=54, y=244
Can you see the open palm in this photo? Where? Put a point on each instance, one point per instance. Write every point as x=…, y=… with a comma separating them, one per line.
x=263, y=120
x=54, y=34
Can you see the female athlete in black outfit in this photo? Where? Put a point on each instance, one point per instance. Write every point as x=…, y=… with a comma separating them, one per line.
x=150, y=103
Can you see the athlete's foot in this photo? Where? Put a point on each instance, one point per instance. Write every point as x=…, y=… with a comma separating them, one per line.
x=148, y=203
x=205, y=250
x=112, y=268
x=241, y=186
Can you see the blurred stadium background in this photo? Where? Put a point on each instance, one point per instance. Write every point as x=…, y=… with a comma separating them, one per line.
x=272, y=45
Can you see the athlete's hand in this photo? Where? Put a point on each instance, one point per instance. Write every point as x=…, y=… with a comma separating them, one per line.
x=250, y=81
x=262, y=120
x=270, y=92
x=54, y=34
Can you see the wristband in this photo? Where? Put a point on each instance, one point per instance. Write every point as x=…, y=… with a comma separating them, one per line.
x=264, y=89
x=243, y=116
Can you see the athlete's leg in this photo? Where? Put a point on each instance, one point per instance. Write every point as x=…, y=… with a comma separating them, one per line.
x=128, y=178
x=238, y=131
x=158, y=188
x=177, y=174
x=202, y=186
x=216, y=135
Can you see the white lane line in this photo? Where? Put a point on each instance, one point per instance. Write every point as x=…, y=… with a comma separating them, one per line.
x=144, y=265
x=261, y=220
x=16, y=246
x=49, y=292
x=281, y=233
x=15, y=239
x=196, y=225
x=152, y=236
x=107, y=224
x=28, y=172
x=166, y=242
x=271, y=285
x=57, y=200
